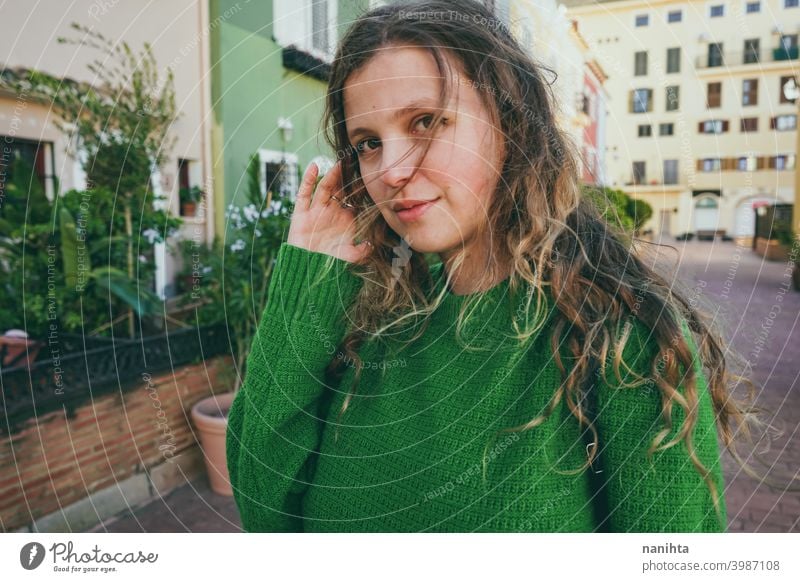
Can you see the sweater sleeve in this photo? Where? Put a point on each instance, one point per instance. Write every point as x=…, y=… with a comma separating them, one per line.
x=276, y=420
x=667, y=494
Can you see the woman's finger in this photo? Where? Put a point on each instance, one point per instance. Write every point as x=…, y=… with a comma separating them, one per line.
x=307, y=186
x=329, y=185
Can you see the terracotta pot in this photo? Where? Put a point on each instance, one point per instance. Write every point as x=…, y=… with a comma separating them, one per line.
x=15, y=346
x=188, y=209
x=210, y=416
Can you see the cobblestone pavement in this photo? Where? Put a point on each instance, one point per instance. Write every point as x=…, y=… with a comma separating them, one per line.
x=750, y=299
x=753, y=303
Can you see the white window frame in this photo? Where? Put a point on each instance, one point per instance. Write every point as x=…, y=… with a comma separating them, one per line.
x=715, y=126
x=275, y=157
x=786, y=122
x=293, y=26
x=785, y=164
x=712, y=164
x=749, y=163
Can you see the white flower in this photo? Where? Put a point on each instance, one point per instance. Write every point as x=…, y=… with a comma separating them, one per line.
x=239, y=245
x=250, y=212
x=142, y=259
x=150, y=234
x=276, y=206
x=258, y=233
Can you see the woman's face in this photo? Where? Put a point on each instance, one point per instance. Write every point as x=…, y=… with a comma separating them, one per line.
x=389, y=102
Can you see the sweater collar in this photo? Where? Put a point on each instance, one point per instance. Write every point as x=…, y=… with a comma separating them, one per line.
x=494, y=309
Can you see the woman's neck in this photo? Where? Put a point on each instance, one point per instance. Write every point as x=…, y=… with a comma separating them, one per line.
x=479, y=271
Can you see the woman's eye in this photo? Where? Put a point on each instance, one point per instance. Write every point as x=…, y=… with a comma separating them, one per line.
x=426, y=120
x=371, y=142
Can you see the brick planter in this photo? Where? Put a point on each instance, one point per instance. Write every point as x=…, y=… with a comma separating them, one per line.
x=55, y=461
x=771, y=250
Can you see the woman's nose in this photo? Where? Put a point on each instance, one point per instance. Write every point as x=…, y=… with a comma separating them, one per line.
x=398, y=162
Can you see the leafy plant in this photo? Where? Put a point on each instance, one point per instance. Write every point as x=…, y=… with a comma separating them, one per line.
x=121, y=123
x=231, y=278
x=193, y=194
x=619, y=209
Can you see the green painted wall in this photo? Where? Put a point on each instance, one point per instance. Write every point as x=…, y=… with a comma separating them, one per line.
x=251, y=89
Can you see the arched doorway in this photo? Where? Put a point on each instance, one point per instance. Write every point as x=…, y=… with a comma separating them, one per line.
x=706, y=213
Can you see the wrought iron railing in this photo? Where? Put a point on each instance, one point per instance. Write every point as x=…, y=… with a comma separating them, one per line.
x=78, y=375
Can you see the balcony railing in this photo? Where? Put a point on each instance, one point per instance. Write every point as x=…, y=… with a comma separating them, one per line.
x=750, y=57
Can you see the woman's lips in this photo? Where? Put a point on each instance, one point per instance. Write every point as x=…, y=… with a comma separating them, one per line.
x=415, y=212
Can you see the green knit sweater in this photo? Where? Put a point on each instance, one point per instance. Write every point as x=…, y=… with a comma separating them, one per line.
x=418, y=449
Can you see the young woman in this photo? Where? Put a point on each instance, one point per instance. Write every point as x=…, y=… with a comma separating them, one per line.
x=454, y=340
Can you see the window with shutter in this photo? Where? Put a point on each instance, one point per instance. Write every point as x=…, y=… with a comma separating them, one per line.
x=674, y=60
x=673, y=98
x=714, y=95
x=640, y=63
x=750, y=92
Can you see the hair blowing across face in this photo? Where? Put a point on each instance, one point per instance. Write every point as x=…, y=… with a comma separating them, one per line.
x=550, y=237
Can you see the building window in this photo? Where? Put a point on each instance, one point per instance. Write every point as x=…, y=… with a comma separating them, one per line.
x=791, y=3
x=752, y=52
x=673, y=97
x=640, y=63
x=30, y=156
x=641, y=100
x=645, y=130
x=784, y=122
x=785, y=80
x=713, y=126
x=715, y=54
x=670, y=171
x=714, y=95
x=710, y=164
x=746, y=163
x=279, y=173
x=639, y=176
x=674, y=60
x=782, y=162
x=666, y=129
x=752, y=7
x=788, y=41
x=749, y=124
x=787, y=49
x=642, y=20
x=674, y=16
x=717, y=10
x=750, y=92
x=309, y=26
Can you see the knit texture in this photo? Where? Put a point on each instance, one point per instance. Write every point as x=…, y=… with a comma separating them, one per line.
x=418, y=448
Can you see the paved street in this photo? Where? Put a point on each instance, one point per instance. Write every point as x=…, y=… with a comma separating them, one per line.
x=753, y=302
x=741, y=291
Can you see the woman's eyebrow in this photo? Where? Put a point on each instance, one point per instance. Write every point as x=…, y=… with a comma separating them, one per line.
x=400, y=112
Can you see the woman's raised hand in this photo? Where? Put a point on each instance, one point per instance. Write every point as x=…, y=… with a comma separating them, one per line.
x=320, y=223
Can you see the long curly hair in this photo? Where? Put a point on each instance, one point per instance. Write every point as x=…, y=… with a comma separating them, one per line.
x=588, y=272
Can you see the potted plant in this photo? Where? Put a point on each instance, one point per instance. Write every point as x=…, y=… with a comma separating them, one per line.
x=189, y=198
x=236, y=273
x=791, y=245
